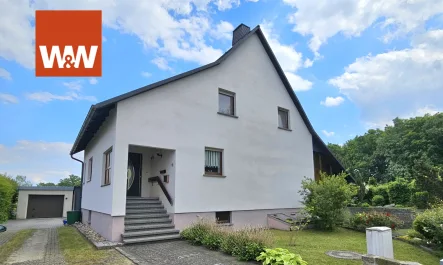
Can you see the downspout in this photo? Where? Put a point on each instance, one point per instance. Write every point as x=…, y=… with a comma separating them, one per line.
x=81, y=180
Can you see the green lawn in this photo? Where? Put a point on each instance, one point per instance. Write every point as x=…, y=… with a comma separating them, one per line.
x=77, y=250
x=312, y=245
x=15, y=243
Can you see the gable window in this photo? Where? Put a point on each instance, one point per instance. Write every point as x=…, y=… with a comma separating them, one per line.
x=283, y=118
x=90, y=169
x=213, y=161
x=107, y=167
x=226, y=102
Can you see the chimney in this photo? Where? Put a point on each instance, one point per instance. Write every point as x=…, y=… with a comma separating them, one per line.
x=239, y=33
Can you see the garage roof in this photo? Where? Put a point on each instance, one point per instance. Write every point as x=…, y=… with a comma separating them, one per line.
x=45, y=188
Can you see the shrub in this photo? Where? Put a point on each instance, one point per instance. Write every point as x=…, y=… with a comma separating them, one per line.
x=361, y=221
x=245, y=244
x=381, y=190
x=430, y=225
x=372, y=181
x=280, y=256
x=378, y=200
x=248, y=243
x=8, y=189
x=365, y=204
x=399, y=192
x=197, y=232
x=420, y=199
x=326, y=199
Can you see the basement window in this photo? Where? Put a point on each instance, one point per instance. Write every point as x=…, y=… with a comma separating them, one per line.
x=223, y=217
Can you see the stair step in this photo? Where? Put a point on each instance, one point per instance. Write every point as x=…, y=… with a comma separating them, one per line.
x=145, y=216
x=150, y=233
x=145, y=211
x=150, y=239
x=149, y=227
x=142, y=202
x=144, y=206
x=148, y=221
x=141, y=198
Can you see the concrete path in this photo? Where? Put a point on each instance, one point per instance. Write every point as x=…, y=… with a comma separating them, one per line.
x=38, y=223
x=176, y=253
x=40, y=249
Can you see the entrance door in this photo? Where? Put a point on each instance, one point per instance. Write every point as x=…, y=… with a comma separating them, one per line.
x=133, y=176
x=45, y=206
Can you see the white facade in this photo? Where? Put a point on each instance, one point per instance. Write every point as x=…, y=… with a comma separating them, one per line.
x=97, y=197
x=263, y=165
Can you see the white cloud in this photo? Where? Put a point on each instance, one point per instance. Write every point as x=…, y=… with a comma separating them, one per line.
x=74, y=85
x=223, y=30
x=153, y=22
x=298, y=83
x=161, y=63
x=93, y=81
x=290, y=59
x=5, y=74
x=396, y=83
x=16, y=32
x=8, y=98
x=46, y=97
x=328, y=134
x=323, y=19
x=332, y=102
x=146, y=74
x=226, y=4
x=308, y=63
x=39, y=160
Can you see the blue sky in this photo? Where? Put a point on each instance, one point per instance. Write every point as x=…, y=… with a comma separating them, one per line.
x=354, y=65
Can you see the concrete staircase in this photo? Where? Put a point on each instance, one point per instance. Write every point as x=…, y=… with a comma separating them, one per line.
x=146, y=221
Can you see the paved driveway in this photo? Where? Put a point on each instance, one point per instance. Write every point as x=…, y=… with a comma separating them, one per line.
x=38, y=223
x=176, y=253
x=41, y=248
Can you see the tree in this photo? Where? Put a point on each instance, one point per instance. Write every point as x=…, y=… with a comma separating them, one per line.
x=22, y=181
x=47, y=184
x=70, y=181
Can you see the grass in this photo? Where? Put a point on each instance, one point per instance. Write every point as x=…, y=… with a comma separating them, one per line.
x=312, y=245
x=77, y=250
x=15, y=243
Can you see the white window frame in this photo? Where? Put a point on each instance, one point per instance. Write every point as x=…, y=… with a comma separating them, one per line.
x=280, y=109
x=107, y=167
x=234, y=103
x=222, y=162
x=90, y=163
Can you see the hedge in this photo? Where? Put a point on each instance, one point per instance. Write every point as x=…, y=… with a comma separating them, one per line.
x=8, y=188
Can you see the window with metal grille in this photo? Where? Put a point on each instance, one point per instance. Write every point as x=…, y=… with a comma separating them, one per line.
x=213, y=161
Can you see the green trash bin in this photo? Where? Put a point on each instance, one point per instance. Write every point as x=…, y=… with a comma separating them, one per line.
x=73, y=216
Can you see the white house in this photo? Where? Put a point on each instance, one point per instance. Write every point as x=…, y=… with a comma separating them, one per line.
x=228, y=141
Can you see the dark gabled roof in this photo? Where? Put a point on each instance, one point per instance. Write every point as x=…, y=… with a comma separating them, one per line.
x=98, y=113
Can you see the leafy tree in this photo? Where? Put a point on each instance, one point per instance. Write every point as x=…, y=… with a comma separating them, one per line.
x=22, y=181
x=47, y=184
x=70, y=181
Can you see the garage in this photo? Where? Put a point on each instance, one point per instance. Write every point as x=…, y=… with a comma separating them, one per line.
x=44, y=202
